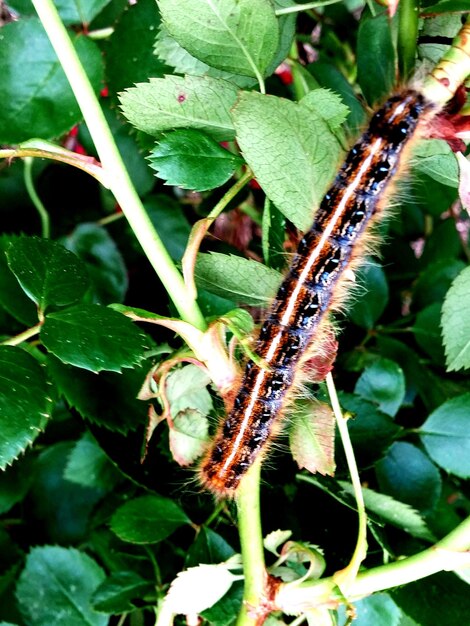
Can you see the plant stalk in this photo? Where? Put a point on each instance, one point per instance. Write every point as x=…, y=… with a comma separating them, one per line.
x=407, y=37
x=120, y=183
x=251, y=541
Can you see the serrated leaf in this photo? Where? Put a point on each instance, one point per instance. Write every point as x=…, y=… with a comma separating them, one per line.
x=208, y=547
x=455, y=322
x=235, y=36
x=393, y=512
x=328, y=105
x=192, y=160
x=55, y=588
x=408, y=475
x=198, y=588
x=108, y=399
x=148, y=519
x=434, y=282
x=375, y=56
x=291, y=151
x=105, y=265
x=15, y=482
x=170, y=51
x=238, y=279
x=93, y=337
x=383, y=382
x=122, y=592
x=174, y=102
x=12, y=297
x=276, y=538
x=25, y=404
x=48, y=273
x=89, y=466
x=186, y=388
x=189, y=435
x=129, y=54
x=435, y=158
x=311, y=438
x=446, y=436
x=70, y=11
x=40, y=91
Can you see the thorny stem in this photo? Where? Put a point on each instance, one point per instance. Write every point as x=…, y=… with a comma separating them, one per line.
x=251, y=540
x=120, y=183
x=35, y=199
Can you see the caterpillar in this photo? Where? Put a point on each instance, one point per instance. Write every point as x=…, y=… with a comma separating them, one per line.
x=313, y=287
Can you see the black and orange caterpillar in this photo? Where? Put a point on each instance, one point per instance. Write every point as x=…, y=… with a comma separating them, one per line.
x=314, y=286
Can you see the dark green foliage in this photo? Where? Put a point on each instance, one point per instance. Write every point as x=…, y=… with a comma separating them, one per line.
x=100, y=415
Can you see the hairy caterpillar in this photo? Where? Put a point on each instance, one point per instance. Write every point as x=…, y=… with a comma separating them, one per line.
x=310, y=289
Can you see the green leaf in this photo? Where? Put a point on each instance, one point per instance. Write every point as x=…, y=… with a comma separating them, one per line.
x=55, y=587
x=434, y=282
x=427, y=332
x=445, y=6
x=456, y=322
x=369, y=306
x=383, y=382
x=108, y=399
x=446, y=436
x=435, y=158
x=48, y=273
x=61, y=508
x=70, y=11
x=222, y=612
x=170, y=222
x=14, y=483
x=105, y=265
x=12, y=297
x=122, y=592
x=311, y=437
x=186, y=388
x=38, y=101
x=327, y=105
x=25, y=404
x=407, y=474
x=241, y=280
x=94, y=338
x=170, y=51
x=129, y=54
x=393, y=512
x=192, y=160
x=375, y=56
x=189, y=436
x=376, y=610
x=208, y=547
x=173, y=102
x=291, y=151
x=89, y=466
x=438, y=599
x=148, y=519
x=371, y=431
x=235, y=36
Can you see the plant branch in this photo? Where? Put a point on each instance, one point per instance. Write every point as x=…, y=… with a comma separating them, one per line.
x=346, y=577
x=407, y=36
x=296, y=8
x=251, y=541
x=35, y=199
x=23, y=336
x=451, y=553
x=120, y=183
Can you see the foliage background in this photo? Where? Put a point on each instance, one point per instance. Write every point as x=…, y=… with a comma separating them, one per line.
x=90, y=533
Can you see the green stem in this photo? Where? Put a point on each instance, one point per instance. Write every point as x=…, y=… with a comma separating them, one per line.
x=407, y=37
x=348, y=575
x=451, y=553
x=35, y=199
x=24, y=336
x=296, y=8
x=251, y=541
x=120, y=183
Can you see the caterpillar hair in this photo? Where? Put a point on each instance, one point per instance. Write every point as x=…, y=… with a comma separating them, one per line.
x=313, y=287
